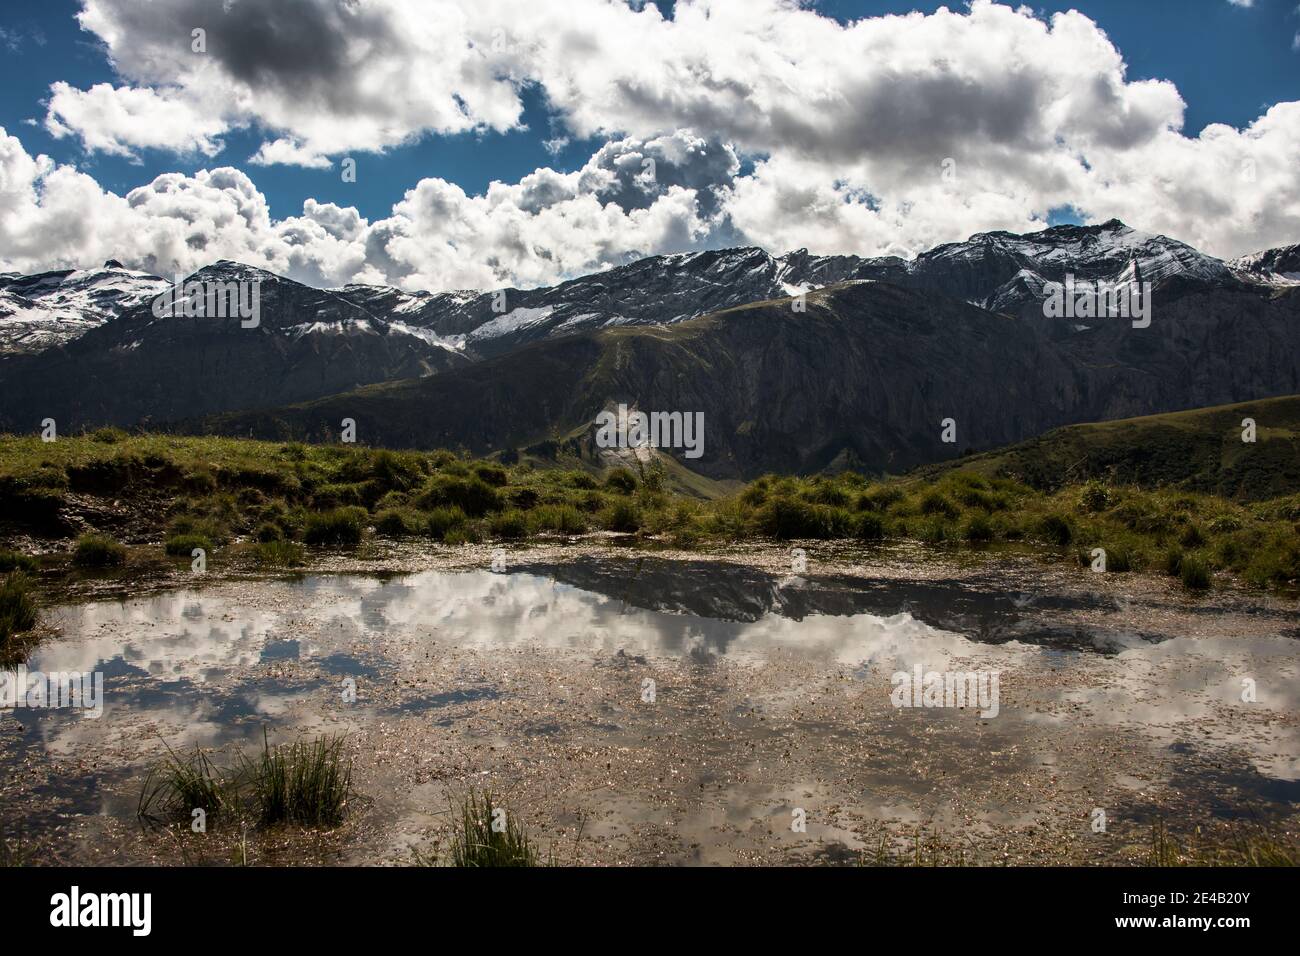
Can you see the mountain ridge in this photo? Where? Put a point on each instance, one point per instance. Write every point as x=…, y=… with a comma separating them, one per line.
x=864, y=377
x=309, y=344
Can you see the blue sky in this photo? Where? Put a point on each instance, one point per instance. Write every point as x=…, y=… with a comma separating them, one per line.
x=760, y=122
x=1230, y=63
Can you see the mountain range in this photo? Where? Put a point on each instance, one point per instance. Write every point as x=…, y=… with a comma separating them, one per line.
x=798, y=362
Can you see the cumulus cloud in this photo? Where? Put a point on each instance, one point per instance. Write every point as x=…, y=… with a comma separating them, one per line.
x=765, y=75
x=327, y=75
x=122, y=120
x=886, y=135
x=53, y=216
x=288, y=152
x=546, y=227
x=630, y=199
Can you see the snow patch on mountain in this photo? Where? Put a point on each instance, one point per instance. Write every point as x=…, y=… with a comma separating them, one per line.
x=53, y=308
x=1280, y=266
x=513, y=321
x=454, y=343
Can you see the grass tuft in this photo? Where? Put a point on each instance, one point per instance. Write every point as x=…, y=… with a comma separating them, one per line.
x=1194, y=574
x=14, y=561
x=622, y=516
x=341, y=527
x=308, y=784
x=179, y=785
x=279, y=554
x=98, y=551
x=565, y=519
x=1242, y=848
x=183, y=545
x=511, y=525
x=17, y=609
x=489, y=835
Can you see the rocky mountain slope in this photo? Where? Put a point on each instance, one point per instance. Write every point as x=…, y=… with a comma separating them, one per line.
x=864, y=378
x=138, y=368
x=141, y=368
x=50, y=309
x=1279, y=266
x=999, y=271
x=654, y=291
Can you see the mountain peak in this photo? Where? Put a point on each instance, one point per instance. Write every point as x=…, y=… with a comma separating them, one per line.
x=228, y=269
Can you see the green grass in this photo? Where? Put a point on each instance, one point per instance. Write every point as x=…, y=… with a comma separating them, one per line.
x=560, y=518
x=306, y=784
x=183, y=545
x=471, y=495
x=17, y=611
x=509, y=525
x=1243, y=847
x=98, y=551
x=1200, y=451
x=622, y=516
x=1056, y=529
x=927, y=849
x=488, y=834
x=1194, y=574
x=341, y=527
x=976, y=528
x=303, y=783
x=13, y=561
x=442, y=520
x=398, y=522
x=870, y=527
x=221, y=489
x=179, y=785
x=280, y=554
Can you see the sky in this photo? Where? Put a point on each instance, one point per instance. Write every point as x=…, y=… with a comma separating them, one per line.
x=521, y=142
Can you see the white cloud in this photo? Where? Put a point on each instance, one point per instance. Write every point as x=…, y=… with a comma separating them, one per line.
x=288, y=152
x=887, y=135
x=545, y=227
x=122, y=120
x=330, y=75
x=763, y=74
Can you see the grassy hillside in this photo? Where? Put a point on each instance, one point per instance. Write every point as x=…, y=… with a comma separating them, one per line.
x=1198, y=450
x=277, y=503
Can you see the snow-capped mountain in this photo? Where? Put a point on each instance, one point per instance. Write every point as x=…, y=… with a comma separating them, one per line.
x=999, y=271
x=52, y=308
x=654, y=291
x=163, y=364
x=1003, y=272
x=1280, y=266
x=309, y=343
x=862, y=379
